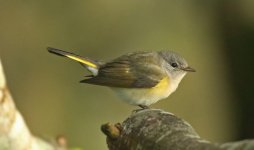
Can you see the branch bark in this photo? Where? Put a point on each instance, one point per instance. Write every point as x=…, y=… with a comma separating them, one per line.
x=153, y=129
x=149, y=129
x=14, y=133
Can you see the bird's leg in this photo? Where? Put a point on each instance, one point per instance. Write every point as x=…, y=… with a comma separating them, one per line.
x=143, y=106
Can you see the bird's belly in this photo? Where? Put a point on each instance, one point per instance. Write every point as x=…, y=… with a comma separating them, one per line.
x=146, y=96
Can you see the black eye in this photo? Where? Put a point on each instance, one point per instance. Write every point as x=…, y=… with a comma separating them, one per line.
x=174, y=65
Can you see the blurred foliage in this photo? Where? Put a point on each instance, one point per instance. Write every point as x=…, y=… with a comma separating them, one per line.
x=46, y=87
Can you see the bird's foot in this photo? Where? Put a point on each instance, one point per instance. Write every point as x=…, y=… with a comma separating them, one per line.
x=142, y=107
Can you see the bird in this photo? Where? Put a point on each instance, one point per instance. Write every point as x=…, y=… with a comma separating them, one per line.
x=140, y=78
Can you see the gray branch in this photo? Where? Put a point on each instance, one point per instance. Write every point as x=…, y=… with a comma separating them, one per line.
x=153, y=129
x=148, y=129
x=14, y=133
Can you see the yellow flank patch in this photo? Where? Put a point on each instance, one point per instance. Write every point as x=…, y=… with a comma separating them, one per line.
x=162, y=87
x=146, y=96
x=82, y=61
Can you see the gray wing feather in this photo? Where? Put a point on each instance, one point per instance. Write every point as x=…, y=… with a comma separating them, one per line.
x=134, y=70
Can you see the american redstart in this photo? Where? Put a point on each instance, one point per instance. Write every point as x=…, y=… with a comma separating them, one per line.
x=140, y=78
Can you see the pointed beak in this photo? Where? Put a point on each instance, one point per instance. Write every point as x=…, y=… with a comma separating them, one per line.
x=188, y=69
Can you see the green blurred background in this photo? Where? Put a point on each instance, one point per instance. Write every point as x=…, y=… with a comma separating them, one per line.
x=216, y=38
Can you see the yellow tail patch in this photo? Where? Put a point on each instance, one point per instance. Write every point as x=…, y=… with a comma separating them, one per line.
x=82, y=61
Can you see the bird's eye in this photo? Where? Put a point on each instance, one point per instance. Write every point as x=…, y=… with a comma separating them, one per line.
x=174, y=65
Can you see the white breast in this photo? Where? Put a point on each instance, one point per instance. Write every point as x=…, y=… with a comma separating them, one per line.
x=148, y=96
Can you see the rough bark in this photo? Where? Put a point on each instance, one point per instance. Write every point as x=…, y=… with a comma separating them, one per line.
x=153, y=129
x=148, y=129
x=14, y=133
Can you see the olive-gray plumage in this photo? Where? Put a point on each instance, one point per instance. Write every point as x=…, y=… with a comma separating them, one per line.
x=137, y=70
x=140, y=78
x=130, y=71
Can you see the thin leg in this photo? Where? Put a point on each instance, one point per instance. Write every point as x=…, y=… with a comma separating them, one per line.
x=143, y=106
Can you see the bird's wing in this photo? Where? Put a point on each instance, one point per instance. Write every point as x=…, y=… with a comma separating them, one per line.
x=134, y=70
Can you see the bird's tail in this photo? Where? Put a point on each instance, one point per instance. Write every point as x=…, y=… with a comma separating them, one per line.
x=91, y=65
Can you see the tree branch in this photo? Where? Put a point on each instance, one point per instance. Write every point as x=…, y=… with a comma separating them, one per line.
x=149, y=129
x=14, y=133
x=153, y=129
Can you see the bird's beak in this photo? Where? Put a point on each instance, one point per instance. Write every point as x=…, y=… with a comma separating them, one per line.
x=188, y=69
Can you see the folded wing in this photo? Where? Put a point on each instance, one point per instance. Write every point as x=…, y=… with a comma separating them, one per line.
x=134, y=70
